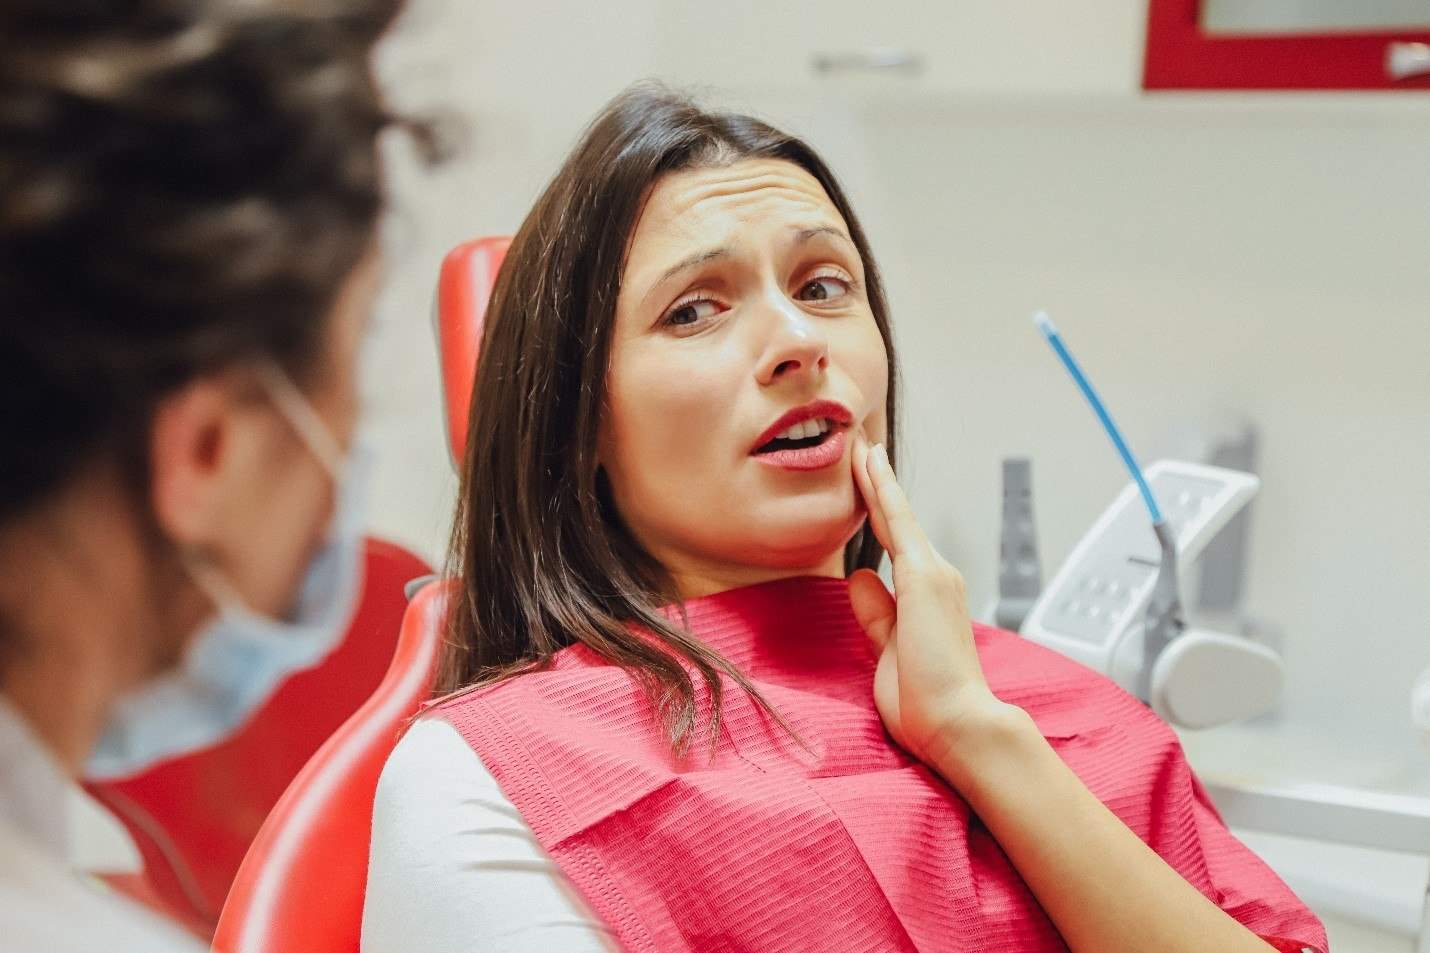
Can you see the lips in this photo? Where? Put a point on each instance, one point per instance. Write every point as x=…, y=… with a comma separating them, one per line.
x=831, y=410
x=817, y=457
x=809, y=437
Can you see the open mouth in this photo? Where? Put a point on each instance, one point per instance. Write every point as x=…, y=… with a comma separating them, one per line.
x=811, y=437
x=801, y=436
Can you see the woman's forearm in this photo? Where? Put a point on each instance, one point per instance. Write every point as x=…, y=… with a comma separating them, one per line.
x=1104, y=889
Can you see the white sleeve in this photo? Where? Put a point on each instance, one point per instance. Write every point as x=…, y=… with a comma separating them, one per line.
x=454, y=868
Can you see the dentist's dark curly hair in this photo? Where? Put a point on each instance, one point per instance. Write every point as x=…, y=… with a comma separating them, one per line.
x=184, y=184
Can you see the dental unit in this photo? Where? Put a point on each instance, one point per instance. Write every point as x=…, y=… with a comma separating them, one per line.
x=1115, y=605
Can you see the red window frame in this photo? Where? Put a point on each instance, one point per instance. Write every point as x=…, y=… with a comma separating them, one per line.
x=1180, y=55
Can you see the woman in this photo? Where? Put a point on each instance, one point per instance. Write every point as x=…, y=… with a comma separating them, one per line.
x=188, y=195
x=685, y=400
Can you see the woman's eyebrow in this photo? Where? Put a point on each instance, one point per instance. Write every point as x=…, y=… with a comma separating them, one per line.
x=807, y=234
x=711, y=254
x=686, y=263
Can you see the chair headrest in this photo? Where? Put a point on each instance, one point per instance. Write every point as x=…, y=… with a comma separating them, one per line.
x=464, y=290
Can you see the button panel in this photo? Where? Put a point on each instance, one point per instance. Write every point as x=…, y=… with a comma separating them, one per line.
x=1118, y=573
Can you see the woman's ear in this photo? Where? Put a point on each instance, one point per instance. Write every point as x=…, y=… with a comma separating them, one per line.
x=204, y=445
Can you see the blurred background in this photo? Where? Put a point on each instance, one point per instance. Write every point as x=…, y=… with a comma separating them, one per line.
x=1228, y=261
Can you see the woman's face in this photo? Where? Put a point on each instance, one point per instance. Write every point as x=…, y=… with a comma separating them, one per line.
x=744, y=358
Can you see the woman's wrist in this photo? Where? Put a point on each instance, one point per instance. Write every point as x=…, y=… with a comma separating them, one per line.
x=980, y=738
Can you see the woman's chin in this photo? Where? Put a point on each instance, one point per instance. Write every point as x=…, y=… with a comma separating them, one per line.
x=803, y=541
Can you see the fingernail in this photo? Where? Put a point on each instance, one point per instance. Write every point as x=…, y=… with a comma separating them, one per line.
x=882, y=454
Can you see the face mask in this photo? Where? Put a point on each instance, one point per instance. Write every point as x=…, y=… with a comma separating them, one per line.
x=236, y=663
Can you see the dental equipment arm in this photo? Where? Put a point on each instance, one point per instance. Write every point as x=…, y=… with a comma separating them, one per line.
x=1115, y=605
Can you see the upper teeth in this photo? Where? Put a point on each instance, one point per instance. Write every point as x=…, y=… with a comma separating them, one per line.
x=810, y=428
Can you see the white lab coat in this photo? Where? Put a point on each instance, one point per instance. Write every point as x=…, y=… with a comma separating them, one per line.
x=45, y=907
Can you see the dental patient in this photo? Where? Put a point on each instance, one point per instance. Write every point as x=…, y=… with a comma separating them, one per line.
x=678, y=711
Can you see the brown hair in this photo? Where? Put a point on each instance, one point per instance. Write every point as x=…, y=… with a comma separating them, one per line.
x=543, y=559
x=183, y=186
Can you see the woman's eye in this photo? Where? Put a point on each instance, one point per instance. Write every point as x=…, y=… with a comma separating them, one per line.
x=823, y=288
x=689, y=313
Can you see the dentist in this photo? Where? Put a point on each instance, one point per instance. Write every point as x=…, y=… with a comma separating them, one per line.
x=188, y=195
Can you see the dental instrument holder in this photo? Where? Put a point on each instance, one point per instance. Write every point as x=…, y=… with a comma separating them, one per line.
x=1113, y=606
x=1195, y=679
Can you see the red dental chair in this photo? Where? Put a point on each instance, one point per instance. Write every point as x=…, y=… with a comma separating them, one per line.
x=192, y=818
x=301, y=887
x=469, y=272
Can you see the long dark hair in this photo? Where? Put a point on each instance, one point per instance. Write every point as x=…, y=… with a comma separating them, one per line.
x=543, y=559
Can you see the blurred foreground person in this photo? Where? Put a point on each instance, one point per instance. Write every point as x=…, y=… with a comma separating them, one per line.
x=188, y=200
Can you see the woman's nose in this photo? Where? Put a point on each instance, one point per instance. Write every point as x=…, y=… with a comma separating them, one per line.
x=796, y=345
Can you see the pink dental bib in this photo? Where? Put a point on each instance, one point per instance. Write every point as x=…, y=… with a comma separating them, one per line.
x=842, y=843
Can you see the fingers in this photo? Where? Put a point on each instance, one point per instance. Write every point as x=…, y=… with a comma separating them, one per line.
x=903, y=535
x=873, y=606
x=865, y=485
